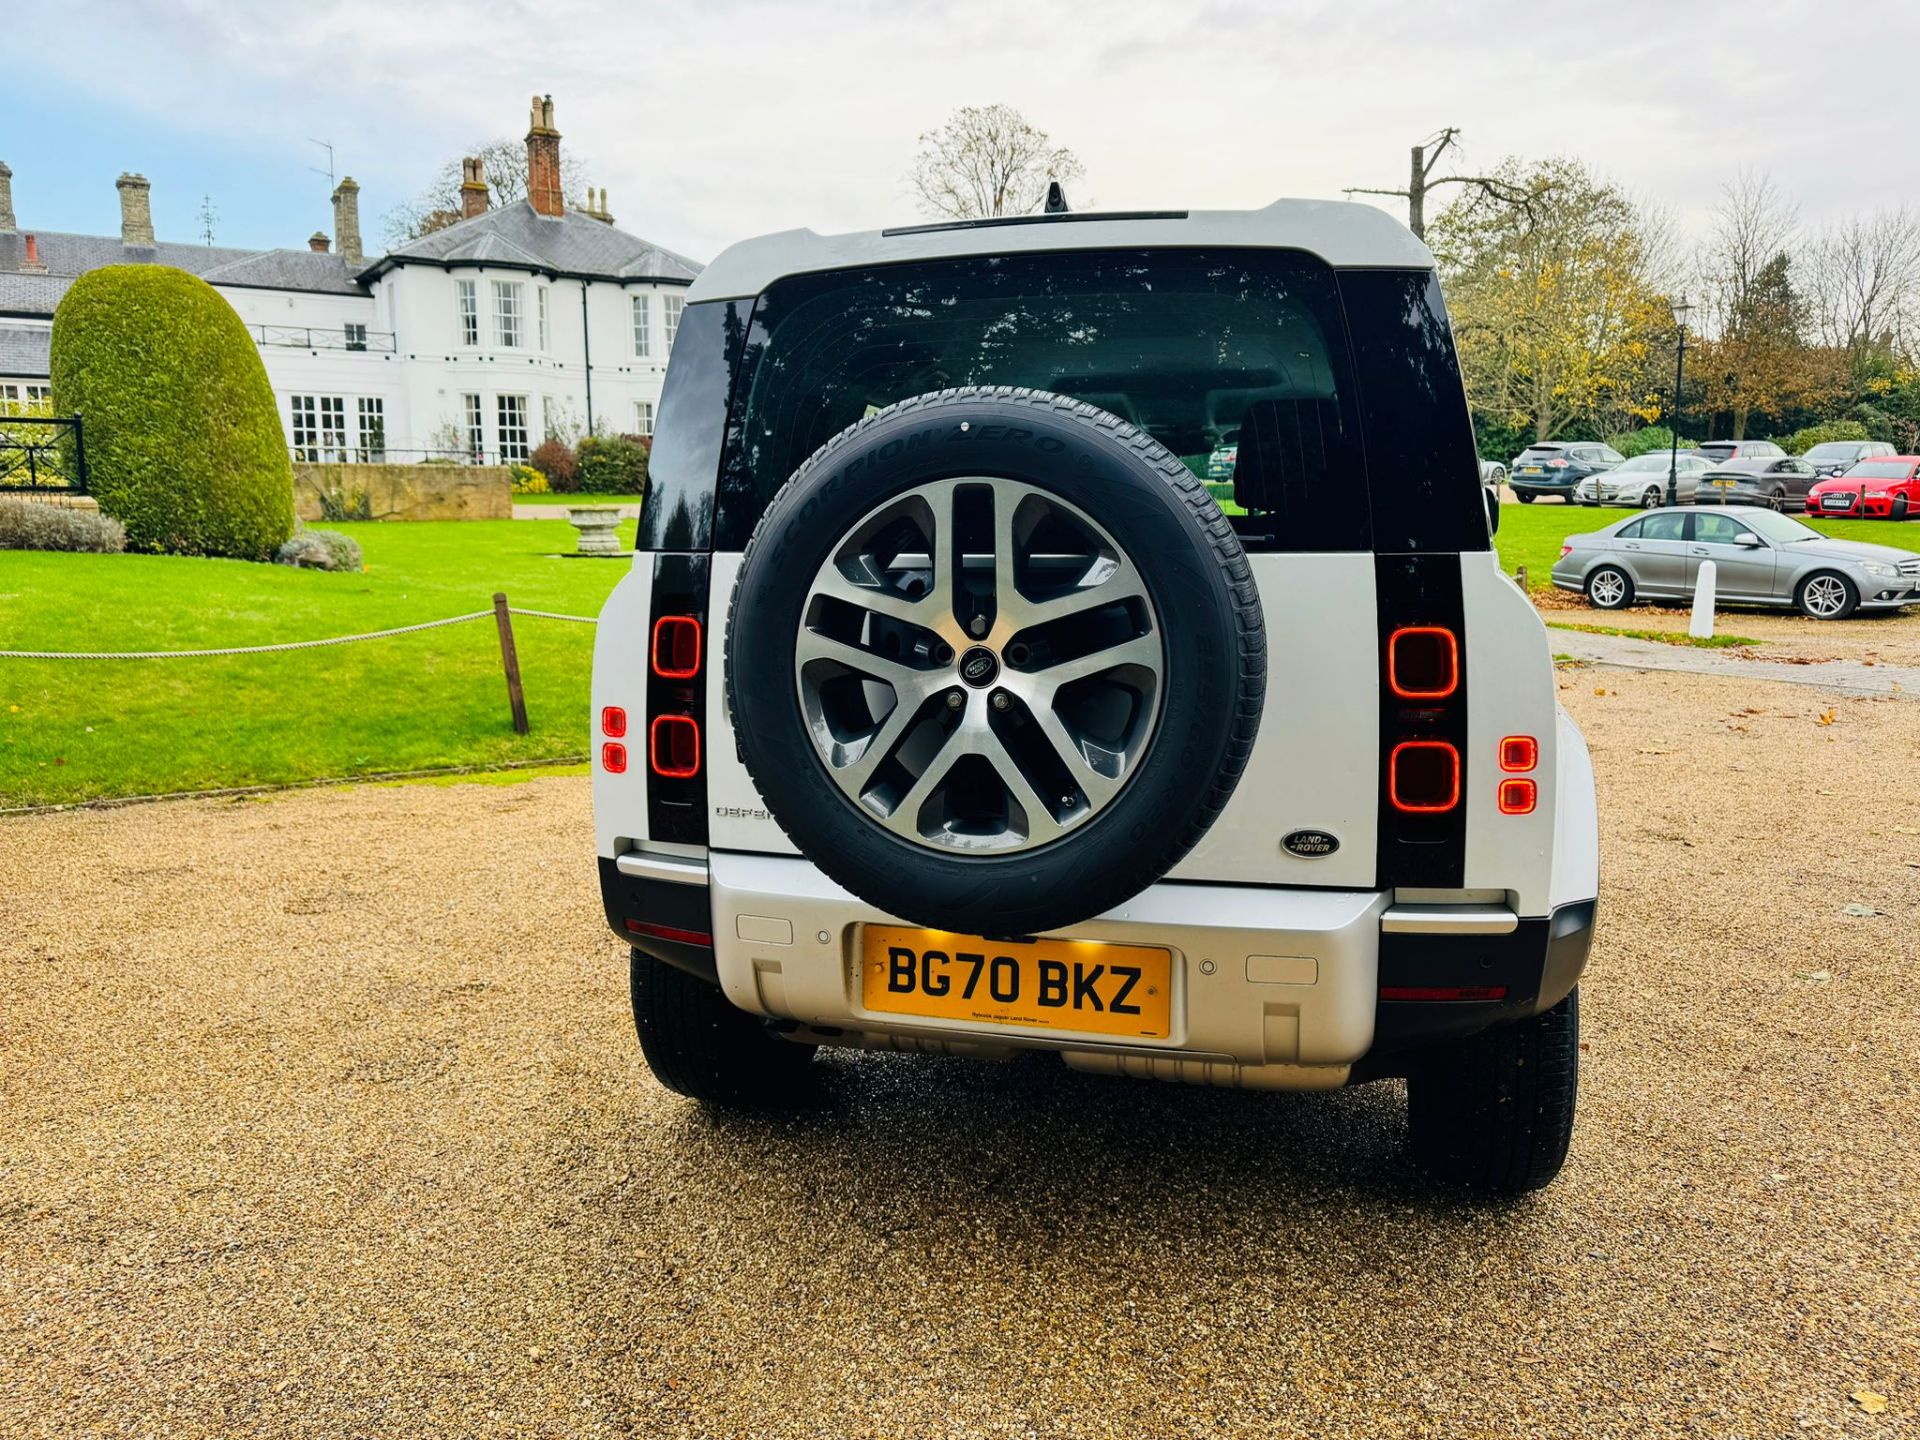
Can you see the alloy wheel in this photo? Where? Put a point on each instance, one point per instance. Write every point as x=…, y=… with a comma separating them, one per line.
x=1608, y=589
x=979, y=666
x=1825, y=595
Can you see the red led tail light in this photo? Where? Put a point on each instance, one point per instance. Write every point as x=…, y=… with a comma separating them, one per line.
x=1519, y=754
x=1518, y=797
x=1423, y=777
x=676, y=647
x=613, y=722
x=1423, y=662
x=673, y=746
x=613, y=758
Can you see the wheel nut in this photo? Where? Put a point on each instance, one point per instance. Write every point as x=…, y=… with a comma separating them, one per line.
x=955, y=700
x=977, y=625
x=1001, y=700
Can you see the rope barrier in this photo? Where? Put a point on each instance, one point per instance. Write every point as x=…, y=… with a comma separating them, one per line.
x=288, y=645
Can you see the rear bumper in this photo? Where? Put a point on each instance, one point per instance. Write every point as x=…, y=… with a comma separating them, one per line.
x=1272, y=988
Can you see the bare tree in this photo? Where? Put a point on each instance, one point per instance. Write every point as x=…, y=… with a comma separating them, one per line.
x=504, y=162
x=1752, y=224
x=988, y=160
x=1421, y=180
x=1753, y=355
x=1864, y=283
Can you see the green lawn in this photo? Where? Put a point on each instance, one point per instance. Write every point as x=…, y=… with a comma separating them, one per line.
x=1530, y=535
x=79, y=729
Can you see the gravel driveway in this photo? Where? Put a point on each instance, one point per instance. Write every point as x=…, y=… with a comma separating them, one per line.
x=321, y=1115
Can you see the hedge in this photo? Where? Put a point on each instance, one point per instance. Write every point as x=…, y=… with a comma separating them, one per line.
x=1802, y=441
x=184, y=445
x=613, y=465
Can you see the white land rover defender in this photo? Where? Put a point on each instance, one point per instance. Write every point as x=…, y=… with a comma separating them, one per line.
x=946, y=709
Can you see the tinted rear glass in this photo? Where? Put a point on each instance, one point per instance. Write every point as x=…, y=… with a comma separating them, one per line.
x=1189, y=345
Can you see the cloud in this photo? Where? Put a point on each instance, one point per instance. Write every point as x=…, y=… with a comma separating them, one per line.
x=723, y=119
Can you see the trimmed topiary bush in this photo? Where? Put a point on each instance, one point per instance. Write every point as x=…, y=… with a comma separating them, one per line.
x=184, y=445
x=33, y=525
x=613, y=465
x=320, y=550
x=555, y=460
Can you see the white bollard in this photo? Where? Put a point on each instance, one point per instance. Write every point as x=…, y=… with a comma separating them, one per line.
x=1700, y=627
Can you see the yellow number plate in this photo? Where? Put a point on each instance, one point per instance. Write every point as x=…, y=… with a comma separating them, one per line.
x=1082, y=985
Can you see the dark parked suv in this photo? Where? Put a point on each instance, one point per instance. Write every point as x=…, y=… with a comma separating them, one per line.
x=1557, y=467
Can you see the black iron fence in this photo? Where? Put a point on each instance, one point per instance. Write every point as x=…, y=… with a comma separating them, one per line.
x=46, y=454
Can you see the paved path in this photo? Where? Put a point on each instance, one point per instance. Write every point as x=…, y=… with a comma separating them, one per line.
x=1842, y=676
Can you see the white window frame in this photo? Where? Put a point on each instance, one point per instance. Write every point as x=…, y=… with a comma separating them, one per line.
x=509, y=314
x=642, y=327
x=303, y=415
x=672, y=305
x=27, y=395
x=540, y=314
x=643, y=418
x=333, y=428
x=513, y=426
x=474, y=413
x=371, y=412
x=356, y=334
x=466, y=297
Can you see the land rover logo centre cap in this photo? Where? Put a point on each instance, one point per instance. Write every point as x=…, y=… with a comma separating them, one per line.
x=1309, y=844
x=978, y=666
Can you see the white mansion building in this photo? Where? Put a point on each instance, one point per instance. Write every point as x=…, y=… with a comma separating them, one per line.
x=476, y=340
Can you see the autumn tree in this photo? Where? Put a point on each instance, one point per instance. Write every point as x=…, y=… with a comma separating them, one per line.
x=1550, y=279
x=988, y=160
x=504, y=163
x=1753, y=353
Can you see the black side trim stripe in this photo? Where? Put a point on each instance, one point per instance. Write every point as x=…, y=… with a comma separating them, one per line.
x=1425, y=850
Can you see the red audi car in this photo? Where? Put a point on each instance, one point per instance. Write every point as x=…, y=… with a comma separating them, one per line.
x=1884, y=488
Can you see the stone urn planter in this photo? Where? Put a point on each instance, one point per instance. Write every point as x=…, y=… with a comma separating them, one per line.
x=596, y=526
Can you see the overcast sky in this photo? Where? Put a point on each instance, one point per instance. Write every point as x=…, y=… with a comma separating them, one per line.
x=711, y=120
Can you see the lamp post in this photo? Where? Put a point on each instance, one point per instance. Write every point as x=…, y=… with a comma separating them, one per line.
x=1681, y=309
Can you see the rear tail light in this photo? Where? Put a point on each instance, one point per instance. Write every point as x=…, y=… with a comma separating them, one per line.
x=1565, y=550
x=1556, y=464
x=613, y=758
x=613, y=721
x=670, y=932
x=673, y=746
x=1519, y=754
x=1518, y=797
x=1423, y=776
x=1423, y=662
x=676, y=647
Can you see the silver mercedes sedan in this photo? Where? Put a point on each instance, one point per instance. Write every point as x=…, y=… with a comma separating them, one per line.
x=1760, y=558
x=1642, y=481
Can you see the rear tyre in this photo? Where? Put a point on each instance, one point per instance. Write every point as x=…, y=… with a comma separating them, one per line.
x=1495, y=1112
x=1825, y=595
x=1610, y=588
x=1899, y=507
x=1525, y=497
x=700, y=1045
x=1651, y=499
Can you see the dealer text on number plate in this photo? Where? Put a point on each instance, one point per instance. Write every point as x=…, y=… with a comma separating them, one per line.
x=1082, y=985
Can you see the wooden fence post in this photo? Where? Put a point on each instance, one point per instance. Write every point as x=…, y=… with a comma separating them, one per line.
x=510, y=661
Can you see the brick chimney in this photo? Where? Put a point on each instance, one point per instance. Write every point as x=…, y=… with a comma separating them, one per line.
x=6, y=199
x=136, y=211
x=346, y=221
x=33, y=264
x=543, y=160
x=317, y=242
x=474, y=195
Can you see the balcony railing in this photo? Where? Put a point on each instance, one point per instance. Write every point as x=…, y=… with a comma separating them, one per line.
x=306, y=337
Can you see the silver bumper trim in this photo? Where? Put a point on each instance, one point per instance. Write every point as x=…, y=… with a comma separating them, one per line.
x=1449, y=920
x=660, y=867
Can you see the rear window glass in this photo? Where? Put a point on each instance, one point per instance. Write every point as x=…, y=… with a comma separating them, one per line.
x=1880, y=470
x=1199, y=348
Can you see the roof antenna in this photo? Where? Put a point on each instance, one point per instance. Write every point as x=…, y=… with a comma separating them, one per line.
x=1056, y=199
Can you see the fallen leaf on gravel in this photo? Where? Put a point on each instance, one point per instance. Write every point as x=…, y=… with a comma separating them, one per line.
x=1869, y=1401
x=1819, y=977
x=1651, y=751
x=1599, y=689
x=1825, y=717
x=1863, y=911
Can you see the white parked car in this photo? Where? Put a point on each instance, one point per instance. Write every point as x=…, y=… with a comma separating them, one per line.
x=943, y=710
x=1642, y=481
